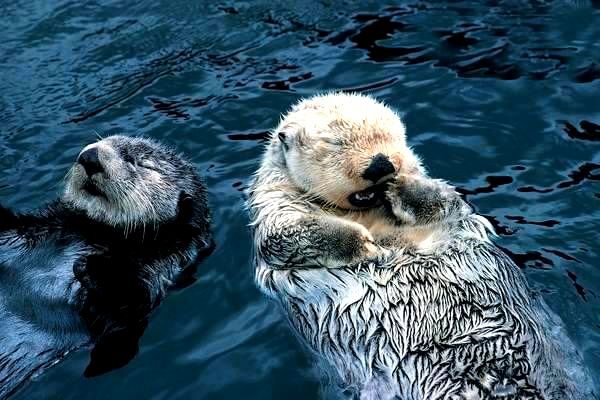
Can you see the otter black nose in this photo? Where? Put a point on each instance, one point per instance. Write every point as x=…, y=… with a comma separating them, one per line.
x=90, y=161
x=380, y=166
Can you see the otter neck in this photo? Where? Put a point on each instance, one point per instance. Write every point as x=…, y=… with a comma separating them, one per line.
x=168, y=236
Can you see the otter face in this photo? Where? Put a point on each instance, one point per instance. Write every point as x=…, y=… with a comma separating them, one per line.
x=343, y=148
x=129, y=182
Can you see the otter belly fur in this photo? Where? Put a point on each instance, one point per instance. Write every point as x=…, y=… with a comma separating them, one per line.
x=409, y=326
x=89, y=268
x=422, y=305
x=39, y=323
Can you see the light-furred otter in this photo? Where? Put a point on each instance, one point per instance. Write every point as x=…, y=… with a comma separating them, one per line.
x=90, y=267
x=388, y=275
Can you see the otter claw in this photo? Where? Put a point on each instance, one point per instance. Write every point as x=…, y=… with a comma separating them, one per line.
x=372, y=249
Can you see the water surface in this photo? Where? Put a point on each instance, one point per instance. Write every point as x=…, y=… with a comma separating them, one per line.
x=499, y=97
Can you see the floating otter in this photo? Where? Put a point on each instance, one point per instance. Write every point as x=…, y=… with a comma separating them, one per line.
x=388, y=275
x=91, y=266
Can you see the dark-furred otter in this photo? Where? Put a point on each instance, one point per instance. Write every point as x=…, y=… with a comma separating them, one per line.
x=90, y=267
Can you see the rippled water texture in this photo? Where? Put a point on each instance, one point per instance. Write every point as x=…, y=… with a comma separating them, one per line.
x=500, y=97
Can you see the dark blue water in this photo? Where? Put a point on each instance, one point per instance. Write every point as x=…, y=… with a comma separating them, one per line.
x=502, y=98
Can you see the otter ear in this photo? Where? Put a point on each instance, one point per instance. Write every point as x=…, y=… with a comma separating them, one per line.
x=283, y=138
x=292, y=134
x=185, y=207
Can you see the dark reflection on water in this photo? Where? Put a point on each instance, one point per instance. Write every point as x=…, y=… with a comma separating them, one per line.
x=499, y=96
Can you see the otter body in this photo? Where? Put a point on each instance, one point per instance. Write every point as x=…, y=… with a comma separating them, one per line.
x=392, y=281
x=90, y=267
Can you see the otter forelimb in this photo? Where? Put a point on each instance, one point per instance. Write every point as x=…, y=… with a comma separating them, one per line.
x=315, y=241
x=419, y=200
x=115, y=311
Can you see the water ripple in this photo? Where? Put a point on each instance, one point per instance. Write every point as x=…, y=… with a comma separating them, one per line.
x=499, y=97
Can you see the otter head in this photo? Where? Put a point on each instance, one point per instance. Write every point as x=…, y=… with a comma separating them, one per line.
x=133, y=182
x=343, y=148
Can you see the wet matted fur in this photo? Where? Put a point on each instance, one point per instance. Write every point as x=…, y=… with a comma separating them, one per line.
x=90, y=267
x=409, y=298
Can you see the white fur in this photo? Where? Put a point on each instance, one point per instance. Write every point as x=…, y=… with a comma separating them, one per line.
x=439, y=320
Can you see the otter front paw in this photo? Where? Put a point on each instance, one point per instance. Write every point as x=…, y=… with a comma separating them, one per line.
x=91, y=271
x=418, y=200
x=349, y=243
x=324, y=241
x=366, y=244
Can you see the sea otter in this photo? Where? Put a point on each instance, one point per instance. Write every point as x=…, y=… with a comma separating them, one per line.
x=89, y=267
x=387, y=275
